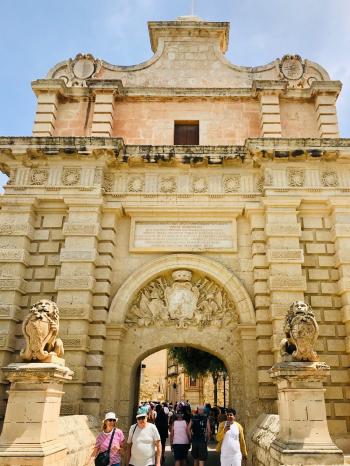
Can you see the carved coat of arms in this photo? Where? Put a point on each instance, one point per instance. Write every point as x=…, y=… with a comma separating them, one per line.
x=183, y=302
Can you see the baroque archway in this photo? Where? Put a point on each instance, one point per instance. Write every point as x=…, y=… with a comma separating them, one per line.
x=179, y=300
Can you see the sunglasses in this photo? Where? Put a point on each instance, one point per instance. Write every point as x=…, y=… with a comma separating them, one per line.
x=111, y=420
x=141, y=418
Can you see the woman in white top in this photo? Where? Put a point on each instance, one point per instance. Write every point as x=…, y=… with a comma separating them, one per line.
x=179, y=439
x=231, y=443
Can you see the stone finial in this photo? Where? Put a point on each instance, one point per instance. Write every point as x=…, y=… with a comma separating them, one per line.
x=301, y=331
x=40, y=330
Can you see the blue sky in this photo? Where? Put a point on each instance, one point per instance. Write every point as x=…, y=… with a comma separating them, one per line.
x=37, y=34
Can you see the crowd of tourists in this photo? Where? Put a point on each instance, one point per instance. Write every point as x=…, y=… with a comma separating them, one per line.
x=187, y=429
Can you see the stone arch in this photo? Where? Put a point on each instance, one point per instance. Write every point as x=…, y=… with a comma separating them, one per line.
x=214, y=270
x=125, y=346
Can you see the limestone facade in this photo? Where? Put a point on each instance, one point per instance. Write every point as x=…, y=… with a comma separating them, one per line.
x=101, y=209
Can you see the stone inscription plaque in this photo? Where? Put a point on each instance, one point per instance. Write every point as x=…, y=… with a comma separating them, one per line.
x=183, y=236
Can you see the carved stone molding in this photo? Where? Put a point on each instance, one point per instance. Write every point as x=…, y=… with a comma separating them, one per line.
x=184, y=301
x=108, y=182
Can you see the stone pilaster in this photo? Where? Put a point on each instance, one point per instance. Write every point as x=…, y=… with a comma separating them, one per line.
x=17, y=217
x=248, y=339
x=47, y=93
x=111, y=387
x=268, y=93
x=284, y=256
x=102, y=119
x=325, y=95
x=256, y=216
x=30, y=431
x=303, y=437
x=341, y=238
x=75, y=287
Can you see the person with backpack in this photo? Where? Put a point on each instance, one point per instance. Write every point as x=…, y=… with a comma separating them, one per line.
x=199, y=433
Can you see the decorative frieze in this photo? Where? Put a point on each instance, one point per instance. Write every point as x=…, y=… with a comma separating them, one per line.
x=296, y=177
x=81, y=229
x=68, y=255
x=329, y=178
x=294, y=256
x=287, y=282
x=76, y=342
x=75, y=312
x=75, y=283
x=200, y=184
x=16, y=284
x=14, y=255
x=280, y=229
x=71, y=176
x=17, y=229
x=136, y=184
x=39, y=176
x=232, y=183
x=168, y=184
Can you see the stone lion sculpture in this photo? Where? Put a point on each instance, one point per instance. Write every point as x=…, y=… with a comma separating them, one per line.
x=301, y=331
x=40, y=329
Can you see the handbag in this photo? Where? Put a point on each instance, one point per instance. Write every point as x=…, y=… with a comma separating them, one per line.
x=102, y=459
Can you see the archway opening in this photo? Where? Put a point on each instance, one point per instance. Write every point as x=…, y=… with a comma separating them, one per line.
x=180, y=374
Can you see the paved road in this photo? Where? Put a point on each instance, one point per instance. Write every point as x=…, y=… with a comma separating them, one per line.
x=213, y=457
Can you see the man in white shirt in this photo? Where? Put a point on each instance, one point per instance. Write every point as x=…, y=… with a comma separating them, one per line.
x=143, y=445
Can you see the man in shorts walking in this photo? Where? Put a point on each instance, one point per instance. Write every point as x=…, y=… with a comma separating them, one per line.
x=199, y=432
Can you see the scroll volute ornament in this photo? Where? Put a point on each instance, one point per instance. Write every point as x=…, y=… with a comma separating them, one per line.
x=301, y=331
x=40, y=330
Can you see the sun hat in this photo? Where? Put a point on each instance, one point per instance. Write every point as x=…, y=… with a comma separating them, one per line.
x=142, y=412
x=110, y=415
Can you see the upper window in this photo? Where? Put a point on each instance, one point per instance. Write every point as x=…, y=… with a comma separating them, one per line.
x=186, y=133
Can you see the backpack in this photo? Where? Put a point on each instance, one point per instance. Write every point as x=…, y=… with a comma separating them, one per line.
x=199, y=427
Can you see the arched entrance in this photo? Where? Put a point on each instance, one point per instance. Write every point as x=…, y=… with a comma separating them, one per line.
x=179, y=300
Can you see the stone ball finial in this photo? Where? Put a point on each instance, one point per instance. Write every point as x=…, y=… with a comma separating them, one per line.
x=301, y=331
x=40, y=330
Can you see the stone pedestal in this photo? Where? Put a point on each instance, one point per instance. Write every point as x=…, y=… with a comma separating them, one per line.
x=304, y=437
x=30, y=432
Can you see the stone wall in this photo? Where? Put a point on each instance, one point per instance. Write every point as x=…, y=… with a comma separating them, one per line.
x=262, y=435
x=78, y=434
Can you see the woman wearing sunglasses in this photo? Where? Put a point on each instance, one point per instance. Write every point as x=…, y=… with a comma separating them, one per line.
x=110, y=438
x=144, y=447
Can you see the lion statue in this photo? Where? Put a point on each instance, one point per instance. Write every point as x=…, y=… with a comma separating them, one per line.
x=40, y=329
x=301, y=331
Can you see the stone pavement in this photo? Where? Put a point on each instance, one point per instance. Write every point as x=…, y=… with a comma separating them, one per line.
x=213, y=457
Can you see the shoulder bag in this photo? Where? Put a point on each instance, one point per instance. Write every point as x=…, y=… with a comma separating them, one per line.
x=102, y=459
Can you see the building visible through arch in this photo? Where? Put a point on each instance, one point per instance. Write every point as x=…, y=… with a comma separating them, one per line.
x=144, y=243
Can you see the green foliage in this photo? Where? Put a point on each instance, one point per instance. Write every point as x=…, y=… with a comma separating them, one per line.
x=197, y=363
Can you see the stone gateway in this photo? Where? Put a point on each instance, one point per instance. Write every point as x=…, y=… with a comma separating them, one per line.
x=183, y=201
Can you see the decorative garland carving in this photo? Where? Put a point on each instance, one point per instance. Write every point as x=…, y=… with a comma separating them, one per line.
x=296, y=177
x=260, y=182
x=182, y=301
x=301, y=331
x=71, y=176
